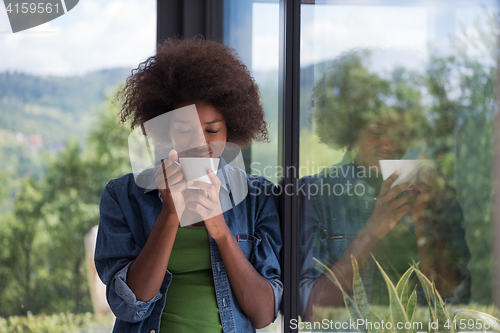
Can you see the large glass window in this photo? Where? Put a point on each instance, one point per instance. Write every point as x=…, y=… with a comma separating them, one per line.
x=59, y=145
x=252, y=29
x=397, y=106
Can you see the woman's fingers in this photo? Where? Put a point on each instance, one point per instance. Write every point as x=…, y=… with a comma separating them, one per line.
x=179, y=186
x=213, y=178
x=165, y=181
x=395, y=191
x=161, y=177
x=211, y=189
x=386, y=185
x=175, y=179
x=203, y=205
x=201, y=199
x=201, y=185
x=169, y=173
x=205, y=201
x=397, y=203
x=428, y=180
x=173, y=156
x=203, y=211
x=402, y=211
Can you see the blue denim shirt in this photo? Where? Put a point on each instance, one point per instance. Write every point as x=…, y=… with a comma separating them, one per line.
x=128, y=214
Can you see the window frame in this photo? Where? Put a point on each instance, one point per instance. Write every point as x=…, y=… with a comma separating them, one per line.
x=173, y=16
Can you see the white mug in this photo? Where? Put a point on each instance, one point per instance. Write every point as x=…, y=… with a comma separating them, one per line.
x=406, y=167
x=195, y=168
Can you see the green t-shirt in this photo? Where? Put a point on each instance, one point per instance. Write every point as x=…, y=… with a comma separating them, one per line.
x=191, y=304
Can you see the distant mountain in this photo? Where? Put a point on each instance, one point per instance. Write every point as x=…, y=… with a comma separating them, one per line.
x=69, y=94
x=54, y=107
x=40, y=113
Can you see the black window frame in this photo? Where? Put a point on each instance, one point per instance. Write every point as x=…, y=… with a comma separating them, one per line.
x=288, y=150
x=187, y=18
x=205, y=17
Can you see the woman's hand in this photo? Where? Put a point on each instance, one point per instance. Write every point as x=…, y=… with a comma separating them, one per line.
x=147, y=272
x=205, y=201
x=171, y=184
x=429, y=184
x=390, y=207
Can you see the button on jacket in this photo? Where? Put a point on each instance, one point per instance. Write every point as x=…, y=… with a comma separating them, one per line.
x=128, y=214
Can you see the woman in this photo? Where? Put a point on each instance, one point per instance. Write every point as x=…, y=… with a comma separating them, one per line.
x=221, y=274
x=358, y=213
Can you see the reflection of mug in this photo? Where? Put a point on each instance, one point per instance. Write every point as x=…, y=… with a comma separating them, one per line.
x=195, y=168
x=406, y=167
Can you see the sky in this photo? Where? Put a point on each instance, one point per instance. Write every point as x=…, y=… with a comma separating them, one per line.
x=94, y=35
x=100, y=34
x=400, y=35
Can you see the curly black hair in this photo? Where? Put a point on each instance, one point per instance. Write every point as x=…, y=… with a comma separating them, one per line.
x=348, y=97
x=196, y=69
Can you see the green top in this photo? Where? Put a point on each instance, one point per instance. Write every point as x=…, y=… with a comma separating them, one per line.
x=191, y=304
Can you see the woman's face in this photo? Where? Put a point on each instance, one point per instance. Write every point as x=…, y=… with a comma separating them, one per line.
x=381, y=140
x=190, y=139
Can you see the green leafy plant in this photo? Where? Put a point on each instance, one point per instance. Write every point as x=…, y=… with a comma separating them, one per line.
x=403, y=304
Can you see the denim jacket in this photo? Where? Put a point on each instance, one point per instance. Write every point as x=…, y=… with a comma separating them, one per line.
x=127, y=215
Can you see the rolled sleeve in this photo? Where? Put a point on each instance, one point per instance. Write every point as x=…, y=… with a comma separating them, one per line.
x=133, y=309
x=115, y=250
x=266, y=257
x=277, y=286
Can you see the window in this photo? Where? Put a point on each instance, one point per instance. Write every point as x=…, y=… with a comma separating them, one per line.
x=57, y=129
x=354, y=91
x=405, y=81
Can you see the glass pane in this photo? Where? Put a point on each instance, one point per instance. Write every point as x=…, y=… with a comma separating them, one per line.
x=258, y=22
x=397, y=109
x=265, y=58
x=252, y=29
x=59, y=145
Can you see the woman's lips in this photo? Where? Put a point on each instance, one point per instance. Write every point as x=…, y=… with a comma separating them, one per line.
x=209, y=154
x=381, y=157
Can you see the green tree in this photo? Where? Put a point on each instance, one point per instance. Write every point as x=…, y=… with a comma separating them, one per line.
x=20, y=258
x=43, y=270
x=464, y=105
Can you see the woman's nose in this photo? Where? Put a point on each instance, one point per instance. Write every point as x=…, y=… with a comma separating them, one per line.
x=198, y=139
x=388, y=143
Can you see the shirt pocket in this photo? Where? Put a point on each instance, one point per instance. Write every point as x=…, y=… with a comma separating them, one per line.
x=335, y=246
x=247, y=243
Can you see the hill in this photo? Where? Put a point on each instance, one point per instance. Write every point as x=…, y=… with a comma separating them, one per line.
x=54, y=107
x=40, y=113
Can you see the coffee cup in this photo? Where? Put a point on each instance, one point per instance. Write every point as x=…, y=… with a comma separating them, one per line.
x=407, y=168
x=195, y=168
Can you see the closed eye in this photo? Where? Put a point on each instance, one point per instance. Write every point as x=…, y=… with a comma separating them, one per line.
x=377, y=132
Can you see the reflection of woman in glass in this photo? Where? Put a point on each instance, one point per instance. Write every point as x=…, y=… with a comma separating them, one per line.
x=222, y=274
x=356, y=213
